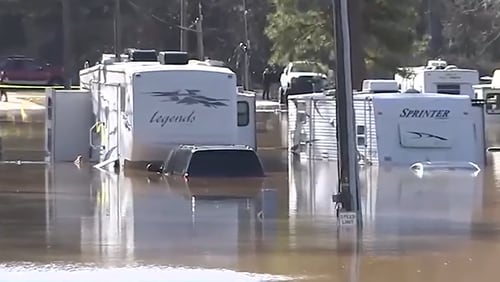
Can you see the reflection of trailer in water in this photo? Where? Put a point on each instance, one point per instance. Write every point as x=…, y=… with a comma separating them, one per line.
x=135, y=217
x=90, y=210
x=394, y=200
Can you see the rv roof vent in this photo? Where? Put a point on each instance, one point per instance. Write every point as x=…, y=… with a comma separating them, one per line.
x=451, y=67
x=138, y=55
x=196, y=62
x=173, y=58
x=436, y=64
x=411, y=91
x=380, y=86
x=215, y=63
x=107, y=59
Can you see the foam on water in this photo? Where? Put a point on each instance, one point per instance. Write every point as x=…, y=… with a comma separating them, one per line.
x=80, y=273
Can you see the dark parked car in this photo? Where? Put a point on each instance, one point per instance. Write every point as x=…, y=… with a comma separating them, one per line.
x=211, y=161
x=27, y=71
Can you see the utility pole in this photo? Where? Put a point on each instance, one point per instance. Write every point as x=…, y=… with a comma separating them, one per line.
x=68, y=40
x=118, y=30
x=246, y=70
x=199, y=33
x=348, y=194
x=183, y=43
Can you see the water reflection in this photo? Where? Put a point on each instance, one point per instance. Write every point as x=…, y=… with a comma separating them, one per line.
x=398, y=206
x=86, y=225
x=136, y=217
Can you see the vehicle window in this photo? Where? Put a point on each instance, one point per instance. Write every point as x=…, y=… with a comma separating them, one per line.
x=318, y=83
x=13, y=64
x=178, y=162
x=448, y=89
x=168, y=165
x=30, y=65
x=243, y=113
x=225, y=163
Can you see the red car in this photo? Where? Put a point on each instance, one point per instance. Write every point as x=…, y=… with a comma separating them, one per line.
x=22, y=70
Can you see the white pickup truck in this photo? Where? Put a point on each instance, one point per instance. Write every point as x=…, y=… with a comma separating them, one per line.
x=301, y=77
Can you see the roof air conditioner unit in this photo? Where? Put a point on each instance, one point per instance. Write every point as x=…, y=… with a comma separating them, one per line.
x=173, y=58
x=138, y=55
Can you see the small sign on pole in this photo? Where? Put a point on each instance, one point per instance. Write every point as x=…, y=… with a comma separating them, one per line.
x=347, y=218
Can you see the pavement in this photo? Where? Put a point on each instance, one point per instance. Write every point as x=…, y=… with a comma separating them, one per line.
x=262, y=105
x=17, y=102
x=267, y=106
x=22, y=107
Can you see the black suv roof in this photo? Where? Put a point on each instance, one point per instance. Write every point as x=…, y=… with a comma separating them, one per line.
x=214, y=147
x=212, y=161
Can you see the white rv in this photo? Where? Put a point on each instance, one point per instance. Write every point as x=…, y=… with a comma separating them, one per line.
x=392, y=128
x=148, y=104
x=491, y=94
x=438, y=77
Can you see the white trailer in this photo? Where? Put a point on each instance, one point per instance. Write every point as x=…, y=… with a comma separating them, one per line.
x=142, y=108
x=392, y=128
x=438, y=77
x=491, y=94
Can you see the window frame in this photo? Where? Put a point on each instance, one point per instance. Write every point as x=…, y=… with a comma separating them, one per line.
x=245, y=114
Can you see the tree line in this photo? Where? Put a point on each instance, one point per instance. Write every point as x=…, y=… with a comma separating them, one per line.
x=385, y=34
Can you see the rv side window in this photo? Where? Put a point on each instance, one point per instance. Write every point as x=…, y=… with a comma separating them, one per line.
x=122, y=98
x=360, y=130
x=361, y=141
x=448, y=89
x=49, y=108
x=49, y=140
x=243, y=113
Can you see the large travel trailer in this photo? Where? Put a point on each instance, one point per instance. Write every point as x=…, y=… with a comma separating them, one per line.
x=392, y=128
x=147, y=104
x=438, y=77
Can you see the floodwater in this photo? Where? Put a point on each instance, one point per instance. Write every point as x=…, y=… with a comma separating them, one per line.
x=64, y=223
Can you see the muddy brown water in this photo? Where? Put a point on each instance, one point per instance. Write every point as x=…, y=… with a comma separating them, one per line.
x=63, y=223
